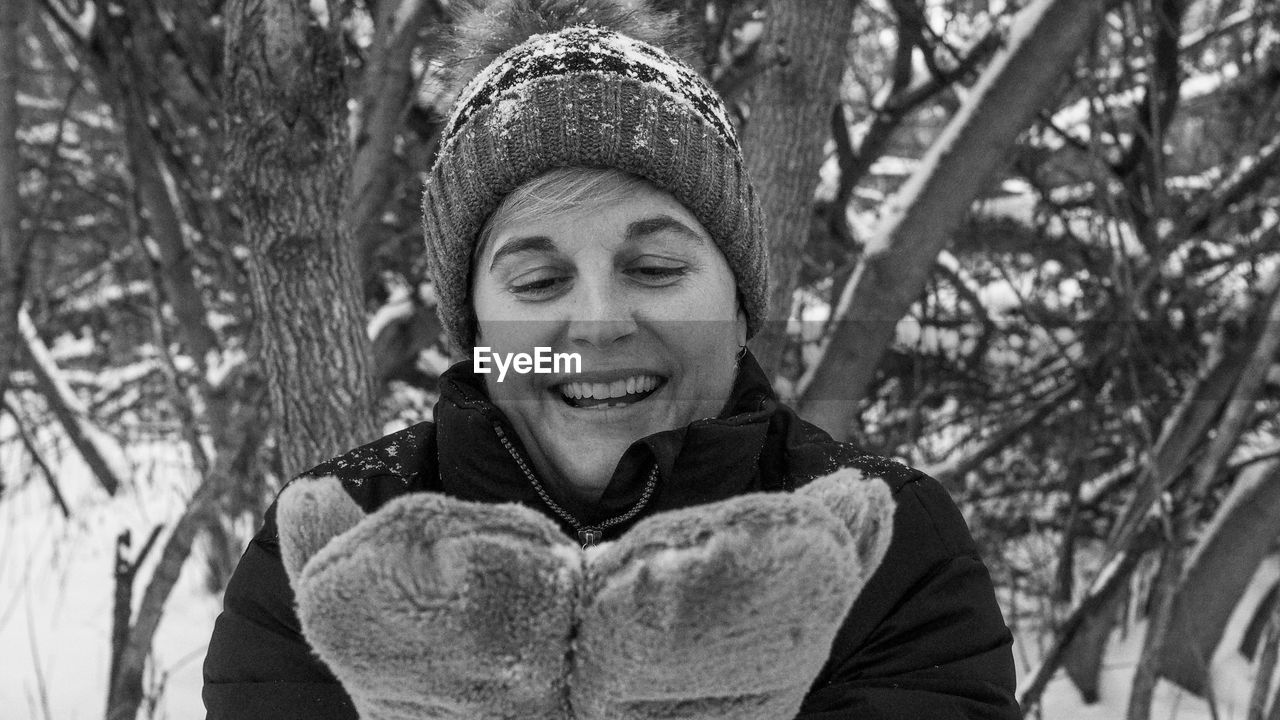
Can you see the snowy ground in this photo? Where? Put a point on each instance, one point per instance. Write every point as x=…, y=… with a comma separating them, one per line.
x=1231, y=673
x=56, y=595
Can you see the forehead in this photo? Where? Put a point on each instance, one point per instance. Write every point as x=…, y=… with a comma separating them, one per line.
x=641, y=213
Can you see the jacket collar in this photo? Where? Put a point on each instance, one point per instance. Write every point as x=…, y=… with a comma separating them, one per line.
x=704, y=461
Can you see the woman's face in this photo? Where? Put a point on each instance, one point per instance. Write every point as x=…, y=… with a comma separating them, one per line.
x=639, y=290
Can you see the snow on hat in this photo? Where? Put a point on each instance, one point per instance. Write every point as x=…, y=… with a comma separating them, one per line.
x=554, y=83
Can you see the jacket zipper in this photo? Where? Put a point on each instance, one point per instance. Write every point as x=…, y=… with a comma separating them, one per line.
x=588, y=535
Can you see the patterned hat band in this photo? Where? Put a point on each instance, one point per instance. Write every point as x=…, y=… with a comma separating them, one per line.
x=587, y=49
x=587, y=97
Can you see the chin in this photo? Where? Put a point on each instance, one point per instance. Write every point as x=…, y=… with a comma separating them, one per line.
x=588, y=466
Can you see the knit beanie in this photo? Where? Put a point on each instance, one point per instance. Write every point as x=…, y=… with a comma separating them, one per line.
x=559, y=83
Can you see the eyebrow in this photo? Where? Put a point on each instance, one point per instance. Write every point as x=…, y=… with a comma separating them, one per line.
x=635, y=231
x=516, y=246
x=657, y=224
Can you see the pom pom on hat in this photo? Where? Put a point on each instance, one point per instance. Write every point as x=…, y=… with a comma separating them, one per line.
x=555, y=83
x=483, y=31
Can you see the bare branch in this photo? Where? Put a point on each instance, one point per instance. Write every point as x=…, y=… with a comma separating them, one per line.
x=1249, y=174
x=99, y=451
x=125, y=572
x=388, y=94
x=1185, y=429
x=1046, y=36
x=951, y=474
x=1224, y=560
x=1114, y=575
x=33, y=450
x=916, y=95
x=125, y=695
x=1266, y=667
x=1241, y=406
x=1195, y=40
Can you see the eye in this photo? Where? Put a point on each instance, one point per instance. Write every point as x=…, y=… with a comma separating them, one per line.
x=538, y=286
x=656, y=273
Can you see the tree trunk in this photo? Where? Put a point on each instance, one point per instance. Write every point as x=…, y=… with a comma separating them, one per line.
x=388, y=90
x=801, y=56
x=1045, y=38
x=289, y=163
x=1221, y=565
x=11, y=241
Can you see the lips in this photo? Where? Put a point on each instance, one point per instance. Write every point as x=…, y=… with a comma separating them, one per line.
x=615, y=393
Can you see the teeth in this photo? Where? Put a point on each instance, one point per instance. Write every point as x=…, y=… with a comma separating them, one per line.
x=615, y=389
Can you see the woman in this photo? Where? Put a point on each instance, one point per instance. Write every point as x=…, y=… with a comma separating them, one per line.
x=590, y=197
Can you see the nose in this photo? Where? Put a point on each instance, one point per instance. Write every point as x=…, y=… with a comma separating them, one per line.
x=600, y=315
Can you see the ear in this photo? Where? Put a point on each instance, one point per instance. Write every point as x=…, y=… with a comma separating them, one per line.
x=309, y=513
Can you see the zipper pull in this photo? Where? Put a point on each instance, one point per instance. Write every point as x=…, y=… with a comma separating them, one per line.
x=589, y=536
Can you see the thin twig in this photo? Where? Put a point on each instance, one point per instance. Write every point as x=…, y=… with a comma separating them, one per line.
x=30, y=444
x=42, y=687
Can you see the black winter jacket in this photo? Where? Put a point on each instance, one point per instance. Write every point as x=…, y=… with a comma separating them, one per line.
x=924, y=640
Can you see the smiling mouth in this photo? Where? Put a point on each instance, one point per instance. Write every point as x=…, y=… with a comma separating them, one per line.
x=604, y=396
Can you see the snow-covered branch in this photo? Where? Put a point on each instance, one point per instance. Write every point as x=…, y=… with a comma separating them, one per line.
x=1045, y=38
x=100, y=451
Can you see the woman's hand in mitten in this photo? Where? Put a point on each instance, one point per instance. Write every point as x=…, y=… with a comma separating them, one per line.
x=433, y=607
x=726, y=610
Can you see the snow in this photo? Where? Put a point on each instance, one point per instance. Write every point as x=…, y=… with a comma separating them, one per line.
x=399, y=305
x=107, y=447
x=56, y=590
x=1232, y=675
x=893, y=166
x=219, y=364
x=1062, y=701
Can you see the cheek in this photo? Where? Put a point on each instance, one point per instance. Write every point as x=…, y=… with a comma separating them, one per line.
x=708, y=296
x=501, y=324
x=706, y=349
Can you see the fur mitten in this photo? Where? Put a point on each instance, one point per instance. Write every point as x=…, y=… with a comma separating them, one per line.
x=433, y=607
x=726, y=611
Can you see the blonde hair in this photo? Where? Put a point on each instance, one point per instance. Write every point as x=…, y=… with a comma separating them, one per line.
x=555, y=191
